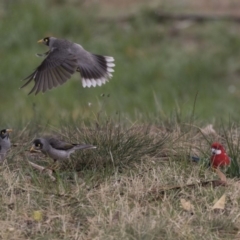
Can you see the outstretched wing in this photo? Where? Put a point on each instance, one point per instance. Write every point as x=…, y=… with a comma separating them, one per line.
x=55, y=70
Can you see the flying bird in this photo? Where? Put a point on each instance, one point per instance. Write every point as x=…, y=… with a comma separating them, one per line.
x=63, y=59
x=5, y=143
x=219, y=156
x=57, y=149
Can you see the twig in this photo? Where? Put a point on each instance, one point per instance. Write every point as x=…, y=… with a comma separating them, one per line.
x=43, y=169
x=214, y=183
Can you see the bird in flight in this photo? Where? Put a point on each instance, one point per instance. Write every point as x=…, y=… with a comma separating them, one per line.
x=63, y=59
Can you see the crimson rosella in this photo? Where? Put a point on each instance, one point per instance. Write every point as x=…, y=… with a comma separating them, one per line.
x=219, y=156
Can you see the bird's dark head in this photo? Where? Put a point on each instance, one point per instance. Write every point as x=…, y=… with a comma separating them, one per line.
x=37, y=145
x=5, y=133
x=45, y=41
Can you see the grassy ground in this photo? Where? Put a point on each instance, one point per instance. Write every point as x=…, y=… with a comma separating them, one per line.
x=172, y=79
x=130, y=187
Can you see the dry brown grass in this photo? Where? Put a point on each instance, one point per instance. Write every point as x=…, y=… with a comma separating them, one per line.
x=123, y=200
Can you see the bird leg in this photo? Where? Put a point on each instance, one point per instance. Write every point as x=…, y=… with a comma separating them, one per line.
x=42, y=54
x=55, y=166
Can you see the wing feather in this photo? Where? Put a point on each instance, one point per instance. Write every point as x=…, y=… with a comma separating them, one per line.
x=55, y=70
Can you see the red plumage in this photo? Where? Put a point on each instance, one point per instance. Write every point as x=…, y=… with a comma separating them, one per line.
x=219, y=157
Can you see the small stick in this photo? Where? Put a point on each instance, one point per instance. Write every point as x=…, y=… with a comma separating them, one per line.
x=43, y=169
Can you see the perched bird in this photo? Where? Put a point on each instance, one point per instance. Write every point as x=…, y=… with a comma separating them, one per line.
x=5, y=143
x=63, y=59
x=219, y=157
x=56, y=149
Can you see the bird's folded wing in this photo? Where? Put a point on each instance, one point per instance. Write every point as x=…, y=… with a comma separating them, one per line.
x=60, y=145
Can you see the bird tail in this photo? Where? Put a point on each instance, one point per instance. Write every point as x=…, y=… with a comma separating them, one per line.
x=97, y=73
x=83, y=146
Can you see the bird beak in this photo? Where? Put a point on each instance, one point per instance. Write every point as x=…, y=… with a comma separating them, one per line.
x=9, y=130
x=32, y=149
x=40, y=41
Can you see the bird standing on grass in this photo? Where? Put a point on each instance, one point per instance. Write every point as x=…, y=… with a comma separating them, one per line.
x=56, y=149
x=219, y=156
x=5, y=143
x=63, y=59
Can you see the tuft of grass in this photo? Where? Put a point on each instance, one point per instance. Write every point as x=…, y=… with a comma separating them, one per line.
x=231, y=136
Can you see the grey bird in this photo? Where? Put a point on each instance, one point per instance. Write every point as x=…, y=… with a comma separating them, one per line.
x=56, y=149
x=63, y=59
x=5, y=143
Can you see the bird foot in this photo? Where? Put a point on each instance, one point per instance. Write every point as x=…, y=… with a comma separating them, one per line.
x=42, y=54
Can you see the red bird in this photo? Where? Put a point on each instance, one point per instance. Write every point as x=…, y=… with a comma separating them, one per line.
x=219, y=157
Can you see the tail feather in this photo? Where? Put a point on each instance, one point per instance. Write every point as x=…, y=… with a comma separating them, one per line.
x=83, y=146
x=99, y=73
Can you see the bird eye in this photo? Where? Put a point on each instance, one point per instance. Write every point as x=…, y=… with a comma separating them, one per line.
x=38, y=145
x=45, y=39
